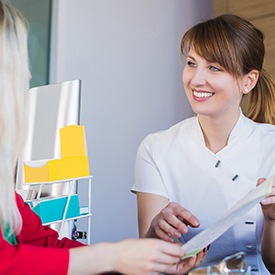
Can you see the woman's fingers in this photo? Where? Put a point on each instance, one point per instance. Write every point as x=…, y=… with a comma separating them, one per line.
x=173, y=221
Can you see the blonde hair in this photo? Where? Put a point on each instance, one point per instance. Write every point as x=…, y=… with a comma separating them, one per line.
x=238, y=46
x=14, y=81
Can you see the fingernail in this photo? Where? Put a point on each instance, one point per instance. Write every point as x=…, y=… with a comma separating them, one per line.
x=264, y=201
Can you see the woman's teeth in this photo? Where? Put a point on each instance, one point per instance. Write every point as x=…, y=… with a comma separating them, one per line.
x=202, y=94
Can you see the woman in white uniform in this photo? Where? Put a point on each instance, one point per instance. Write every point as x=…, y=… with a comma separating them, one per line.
x=189, y=175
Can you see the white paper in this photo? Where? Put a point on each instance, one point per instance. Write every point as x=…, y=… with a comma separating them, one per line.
x=210, y=234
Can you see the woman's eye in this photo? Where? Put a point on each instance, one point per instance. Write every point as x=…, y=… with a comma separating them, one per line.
x=214, y=69
x=191, y=64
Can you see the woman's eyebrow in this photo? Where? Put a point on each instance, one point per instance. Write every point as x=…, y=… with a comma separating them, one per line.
x=191, y=57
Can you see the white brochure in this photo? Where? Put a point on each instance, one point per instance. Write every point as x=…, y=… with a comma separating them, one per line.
x=210, y=234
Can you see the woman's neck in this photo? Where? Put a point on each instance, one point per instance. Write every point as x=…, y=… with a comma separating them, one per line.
x=216, y=131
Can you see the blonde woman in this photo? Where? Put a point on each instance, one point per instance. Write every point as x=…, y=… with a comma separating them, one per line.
x=26, y=246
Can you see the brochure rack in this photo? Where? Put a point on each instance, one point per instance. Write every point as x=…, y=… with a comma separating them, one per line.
x=67, y=204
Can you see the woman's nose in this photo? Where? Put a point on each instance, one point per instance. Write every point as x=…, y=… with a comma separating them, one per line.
x=199, y=77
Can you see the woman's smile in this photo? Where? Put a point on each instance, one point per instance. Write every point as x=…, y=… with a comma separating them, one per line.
x=198, y=95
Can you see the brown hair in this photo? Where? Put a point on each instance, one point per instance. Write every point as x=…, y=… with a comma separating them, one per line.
x=238, y=46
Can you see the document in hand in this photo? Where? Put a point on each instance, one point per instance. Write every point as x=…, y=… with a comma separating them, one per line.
x=210, y=234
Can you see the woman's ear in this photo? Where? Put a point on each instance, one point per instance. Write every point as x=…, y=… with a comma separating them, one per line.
x=250, y=81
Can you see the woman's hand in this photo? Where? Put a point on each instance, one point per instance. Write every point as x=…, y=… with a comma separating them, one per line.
x=172, y=221
x=268, y=204
x=147, y=256
x=159, y=218
x=268, y=238
x=153, y=256
x=184, y=266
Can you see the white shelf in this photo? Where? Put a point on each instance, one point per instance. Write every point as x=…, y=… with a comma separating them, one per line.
x=72, y=182
x=56, y=182
x=70, y=219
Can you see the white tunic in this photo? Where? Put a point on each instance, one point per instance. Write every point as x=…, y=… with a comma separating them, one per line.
x=176, y=164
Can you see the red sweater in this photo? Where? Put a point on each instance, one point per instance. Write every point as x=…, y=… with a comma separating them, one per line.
x=38, y=250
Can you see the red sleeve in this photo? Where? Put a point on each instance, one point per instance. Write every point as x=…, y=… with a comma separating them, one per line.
x=38, y=250
x=29, y=259
x=34, y=233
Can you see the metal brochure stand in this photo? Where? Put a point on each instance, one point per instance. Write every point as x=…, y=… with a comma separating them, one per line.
x=65, y=224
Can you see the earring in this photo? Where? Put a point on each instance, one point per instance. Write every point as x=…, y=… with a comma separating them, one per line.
x=245, y=90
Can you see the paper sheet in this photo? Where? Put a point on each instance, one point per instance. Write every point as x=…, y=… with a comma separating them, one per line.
x=210, y=234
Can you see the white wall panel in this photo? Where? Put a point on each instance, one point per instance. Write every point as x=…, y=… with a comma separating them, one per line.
x=127, y=55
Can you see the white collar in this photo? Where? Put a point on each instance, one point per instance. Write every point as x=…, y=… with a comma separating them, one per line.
x=242, y=129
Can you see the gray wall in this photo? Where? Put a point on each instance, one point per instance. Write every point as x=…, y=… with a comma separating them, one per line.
x=127, y=55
